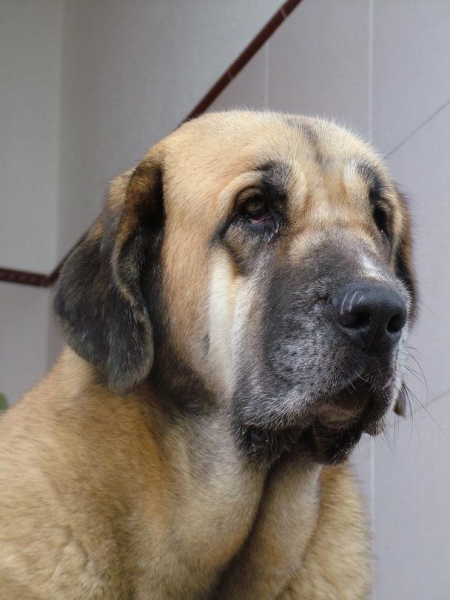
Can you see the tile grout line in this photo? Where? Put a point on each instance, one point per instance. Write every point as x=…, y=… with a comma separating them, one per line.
x=435, y=399
x=370, y=132
x=266, y=74
x=424, y=407
x=418, y=128
x=370, y=73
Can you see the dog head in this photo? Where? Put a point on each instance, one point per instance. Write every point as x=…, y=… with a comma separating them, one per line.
x=256, y=263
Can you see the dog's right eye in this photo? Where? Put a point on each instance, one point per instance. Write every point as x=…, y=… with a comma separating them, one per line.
x=381, y=219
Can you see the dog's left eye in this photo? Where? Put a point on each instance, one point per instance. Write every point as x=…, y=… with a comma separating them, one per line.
x=256, y=210
x=258, y=213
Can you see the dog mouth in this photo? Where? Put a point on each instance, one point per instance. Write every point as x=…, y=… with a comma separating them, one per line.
x=359, y=401
x=329, y=431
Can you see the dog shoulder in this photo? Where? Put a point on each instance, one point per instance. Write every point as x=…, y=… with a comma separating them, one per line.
x=75, y=444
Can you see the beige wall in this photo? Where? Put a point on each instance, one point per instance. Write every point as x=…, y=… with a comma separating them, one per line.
x=382, y=67
x=30, y=93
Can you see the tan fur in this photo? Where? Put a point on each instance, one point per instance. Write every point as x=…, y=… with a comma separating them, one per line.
x=104, y=497
x=338, y=545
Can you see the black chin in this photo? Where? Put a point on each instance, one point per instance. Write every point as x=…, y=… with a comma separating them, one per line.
x=316, y=435
x=327, y=446
x=316, y=443
x=265, y=446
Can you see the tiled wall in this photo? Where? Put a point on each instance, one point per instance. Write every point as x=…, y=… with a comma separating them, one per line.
x=382, y=67
x=26, y=331
x=30, y=89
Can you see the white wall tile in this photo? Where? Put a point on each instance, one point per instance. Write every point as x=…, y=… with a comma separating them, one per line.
x=421, y=166
x=30, y=86
x=25, y=313
x=412, y=499
x=411, y=67
x=247, y=90
x=318, y=62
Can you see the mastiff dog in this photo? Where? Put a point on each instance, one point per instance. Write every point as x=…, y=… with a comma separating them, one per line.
x=235, y=319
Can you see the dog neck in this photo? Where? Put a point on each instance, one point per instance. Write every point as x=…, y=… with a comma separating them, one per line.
x=193, y=480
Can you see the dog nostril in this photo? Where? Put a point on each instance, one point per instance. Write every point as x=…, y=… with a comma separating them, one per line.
x=396, y=323
x=354, y=319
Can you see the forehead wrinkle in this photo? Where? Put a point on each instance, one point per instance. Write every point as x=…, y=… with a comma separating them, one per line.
x=333, y=197
x=310, y=134
x=273, y=172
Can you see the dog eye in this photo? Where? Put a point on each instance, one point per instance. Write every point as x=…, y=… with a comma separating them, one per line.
x=381, y=220
x=256, y=210
x=258, y=213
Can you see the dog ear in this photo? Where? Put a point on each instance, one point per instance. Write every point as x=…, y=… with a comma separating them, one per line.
x=405, y=271
x=404, y=260
x=100, y=303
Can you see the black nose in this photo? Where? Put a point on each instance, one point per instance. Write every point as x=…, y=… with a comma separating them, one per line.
x=372, y=314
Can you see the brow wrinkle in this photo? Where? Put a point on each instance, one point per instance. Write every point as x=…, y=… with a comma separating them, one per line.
x=311, y=136
x=274, y=176
x=371, y=176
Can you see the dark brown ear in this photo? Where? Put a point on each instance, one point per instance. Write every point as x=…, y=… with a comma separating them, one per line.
x=404, y=258
x=405, y=271
x=99, y=303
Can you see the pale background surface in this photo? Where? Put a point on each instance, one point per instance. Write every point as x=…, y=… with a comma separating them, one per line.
x=380, y=66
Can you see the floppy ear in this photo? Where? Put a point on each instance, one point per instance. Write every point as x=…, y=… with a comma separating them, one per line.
x=405, y=271
x=99, y=303
x=404, y=260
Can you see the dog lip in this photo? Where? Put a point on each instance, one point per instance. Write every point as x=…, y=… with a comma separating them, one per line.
x=374, y=429
x=335, y=417
x=389, y=382
x=331, y=423
x=359, y=402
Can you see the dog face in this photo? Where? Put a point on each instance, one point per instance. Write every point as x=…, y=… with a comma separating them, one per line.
x=257, y=264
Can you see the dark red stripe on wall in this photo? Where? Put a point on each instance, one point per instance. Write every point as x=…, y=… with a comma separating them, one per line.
x=25, y=277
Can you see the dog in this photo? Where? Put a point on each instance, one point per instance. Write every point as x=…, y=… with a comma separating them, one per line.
x=235, y=319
